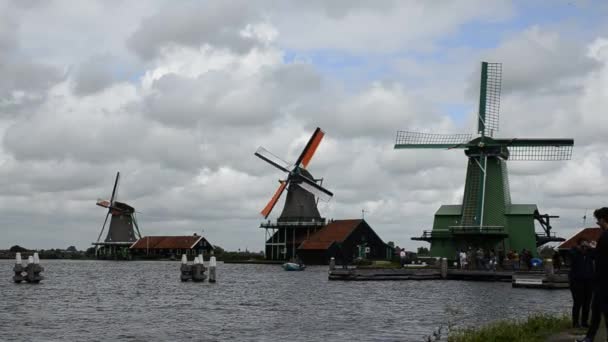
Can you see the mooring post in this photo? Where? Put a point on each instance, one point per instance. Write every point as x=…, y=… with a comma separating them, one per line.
x=18, y=277
x=549, y=270
x=212, y=267
x=198, y=273
x=332, y=263
x=444, y=268
x=185, y=270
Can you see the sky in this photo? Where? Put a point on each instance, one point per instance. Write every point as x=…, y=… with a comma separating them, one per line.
x=177, y=96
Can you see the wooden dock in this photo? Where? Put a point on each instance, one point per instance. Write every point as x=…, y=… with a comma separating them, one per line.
x=530, y=279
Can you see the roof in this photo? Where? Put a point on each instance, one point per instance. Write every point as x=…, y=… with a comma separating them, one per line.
x=589, y=234
x=308, y=244
x=335, y=231
x=449, y=210
x=167, y=242
x=521, y=209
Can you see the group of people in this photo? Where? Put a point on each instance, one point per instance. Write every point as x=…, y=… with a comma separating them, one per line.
x=488, y=259
x=588, y=278
x=480, y=259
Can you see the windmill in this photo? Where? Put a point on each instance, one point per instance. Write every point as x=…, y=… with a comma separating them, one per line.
x=120, y=232
x=486, y=217
x=300, y=216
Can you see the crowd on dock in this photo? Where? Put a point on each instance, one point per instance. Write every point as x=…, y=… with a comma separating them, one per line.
x=491, y=260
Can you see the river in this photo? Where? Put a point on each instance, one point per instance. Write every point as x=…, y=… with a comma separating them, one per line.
x=146, y=301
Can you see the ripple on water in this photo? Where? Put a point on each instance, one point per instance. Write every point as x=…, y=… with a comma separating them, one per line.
x=145, y=301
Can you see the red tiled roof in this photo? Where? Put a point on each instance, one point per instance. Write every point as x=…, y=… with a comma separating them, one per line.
x=166, y=242
x=315, y=244
x=336, y=231
x=589, y=234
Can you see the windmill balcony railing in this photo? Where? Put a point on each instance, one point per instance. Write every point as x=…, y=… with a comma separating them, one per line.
x=477, y=229
x=294, y=222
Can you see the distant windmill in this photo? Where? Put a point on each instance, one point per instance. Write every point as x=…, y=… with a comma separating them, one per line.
x=300, y=215
x=120, y=232
x=487, y=217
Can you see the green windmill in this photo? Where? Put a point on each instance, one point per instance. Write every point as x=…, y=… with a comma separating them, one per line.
x=487, y=218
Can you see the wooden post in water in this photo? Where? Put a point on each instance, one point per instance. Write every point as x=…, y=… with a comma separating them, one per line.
x=18, y=269
x=198, y=270
x=212, y=267
x=549, y=270
x=332, y=263
x=185, y=270
x=444, y=268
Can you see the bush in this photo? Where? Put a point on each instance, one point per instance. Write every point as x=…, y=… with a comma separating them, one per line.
x=535, y=328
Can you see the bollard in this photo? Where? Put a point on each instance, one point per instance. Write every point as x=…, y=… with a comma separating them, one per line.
x=18, y=269
x=33, y=269
x=198, y=270
x=444, y=268
x=332, y=264
x=212, y=267
x=549, y=267
x=186, y=270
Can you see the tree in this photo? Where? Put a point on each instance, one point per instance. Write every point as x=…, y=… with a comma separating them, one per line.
x=71, y=249
x=391, y=244
x=423, y=251
x=17, y=248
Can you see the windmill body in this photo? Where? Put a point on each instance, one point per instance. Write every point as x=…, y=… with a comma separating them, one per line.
x=300, y=216
x=487, y=218
x=123, y=230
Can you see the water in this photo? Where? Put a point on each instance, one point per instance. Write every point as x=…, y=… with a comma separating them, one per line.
x=145, y=301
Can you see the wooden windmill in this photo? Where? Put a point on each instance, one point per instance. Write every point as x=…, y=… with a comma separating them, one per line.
x=121, y=233
x=487, y=218
x=300, y=216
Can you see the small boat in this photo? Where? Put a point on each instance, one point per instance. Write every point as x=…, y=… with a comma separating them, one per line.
x=292, y=266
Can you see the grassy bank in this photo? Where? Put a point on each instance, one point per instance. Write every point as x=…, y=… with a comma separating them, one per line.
x=534, y=328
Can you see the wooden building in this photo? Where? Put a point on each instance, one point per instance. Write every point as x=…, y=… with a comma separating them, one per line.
x=171, y=246
x=587, y=234
x=344, y=240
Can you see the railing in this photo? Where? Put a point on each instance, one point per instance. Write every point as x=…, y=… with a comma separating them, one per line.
x=294, y=223
x=477, y=229
x=446, y=233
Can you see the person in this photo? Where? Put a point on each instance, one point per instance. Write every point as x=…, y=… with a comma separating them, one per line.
x=501, y=259
x=581, y=285
x=463, y=260
x=599, y=303
x=480, y=264
x=402, y=257
x=557, y=260
x=492, y=263
x=515, y=261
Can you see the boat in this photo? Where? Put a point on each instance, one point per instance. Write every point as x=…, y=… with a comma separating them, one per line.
x=292, y=266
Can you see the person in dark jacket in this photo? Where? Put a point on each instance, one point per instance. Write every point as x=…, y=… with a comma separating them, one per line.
x=599, y=304
x=581, y=282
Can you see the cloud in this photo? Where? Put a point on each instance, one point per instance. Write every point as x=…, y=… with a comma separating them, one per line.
x=178, y=98
x=192, y=24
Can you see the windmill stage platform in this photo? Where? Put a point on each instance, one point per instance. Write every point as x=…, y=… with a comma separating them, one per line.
x=522, y=279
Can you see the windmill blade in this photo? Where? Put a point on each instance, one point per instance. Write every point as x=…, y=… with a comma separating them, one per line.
x=271, y=159
x=489, y=98
x=275, y=198
x=538, y=149
x=103, y=226
x=406, y=139
x=136, y=226
x=115, y=187
x=103, y=203
x=310, y=148
x=314, y=188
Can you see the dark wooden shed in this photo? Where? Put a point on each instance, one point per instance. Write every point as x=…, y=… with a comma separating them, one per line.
x=344, y=240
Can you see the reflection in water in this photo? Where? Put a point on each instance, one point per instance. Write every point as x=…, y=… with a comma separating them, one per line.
x=105, y=300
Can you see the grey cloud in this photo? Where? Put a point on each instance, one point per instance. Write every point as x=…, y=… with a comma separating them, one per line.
x=217, y=23
x=219, y=98
x=95, y=74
